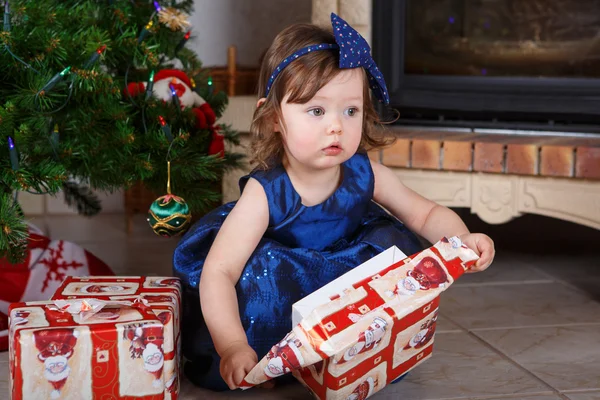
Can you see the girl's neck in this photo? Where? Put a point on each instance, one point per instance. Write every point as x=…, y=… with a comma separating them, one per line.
x=313, y=186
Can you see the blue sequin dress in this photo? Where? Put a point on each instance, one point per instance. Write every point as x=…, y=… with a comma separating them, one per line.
x=303, y=249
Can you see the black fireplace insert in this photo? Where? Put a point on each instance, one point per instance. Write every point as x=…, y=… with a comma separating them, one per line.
x=491, y=63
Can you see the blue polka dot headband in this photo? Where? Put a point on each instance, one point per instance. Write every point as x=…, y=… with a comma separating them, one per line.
x=354, y=53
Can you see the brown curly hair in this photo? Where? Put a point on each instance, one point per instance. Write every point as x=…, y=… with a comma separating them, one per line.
x=302, y=79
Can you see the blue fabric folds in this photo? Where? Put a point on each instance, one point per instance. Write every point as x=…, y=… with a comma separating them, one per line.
x=303, y=249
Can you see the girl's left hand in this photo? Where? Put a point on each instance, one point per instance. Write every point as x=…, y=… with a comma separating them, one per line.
x=483, y=246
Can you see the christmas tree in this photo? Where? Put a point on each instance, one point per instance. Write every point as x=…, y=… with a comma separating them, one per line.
x=80, y=109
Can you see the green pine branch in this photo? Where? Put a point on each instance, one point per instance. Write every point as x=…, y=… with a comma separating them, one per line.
x=81, y=198
x=13, y=236
x=84, y=127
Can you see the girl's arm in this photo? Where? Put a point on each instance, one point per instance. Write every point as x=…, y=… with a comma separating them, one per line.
x=238, y=237
x=427, y=218
x=420, y=215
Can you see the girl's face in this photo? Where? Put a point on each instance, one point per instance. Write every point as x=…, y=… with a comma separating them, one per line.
x=327, y=130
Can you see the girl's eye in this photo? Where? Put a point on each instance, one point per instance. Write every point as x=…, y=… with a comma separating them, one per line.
x=351, y=112
x=316, y=112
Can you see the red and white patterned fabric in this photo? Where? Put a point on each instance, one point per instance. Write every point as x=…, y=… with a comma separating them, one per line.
x=47, y=263
x=352, y=345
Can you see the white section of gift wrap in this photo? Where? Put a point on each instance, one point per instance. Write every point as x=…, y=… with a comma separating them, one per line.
x=305, y=306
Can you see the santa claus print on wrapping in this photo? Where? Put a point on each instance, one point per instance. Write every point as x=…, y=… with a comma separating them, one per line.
x=55, y=348
x=448, y=247
x=24, y=317
x=284, y=357
x=141, y=353
x=21, y=318
x=417, y=337
x=427, y=274
x=57, y=364
x=367, y=340
x=110, y=315
x=425, y=334
x=363, y=390
x=363, y=387
x=153, y=282
x=97, y=289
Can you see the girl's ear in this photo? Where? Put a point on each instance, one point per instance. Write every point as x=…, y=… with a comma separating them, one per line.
x=260, y=102
x=276, y=125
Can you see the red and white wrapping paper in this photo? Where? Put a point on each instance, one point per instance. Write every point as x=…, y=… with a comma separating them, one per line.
x=114, y=354
x=357, y=334
x=161, y=294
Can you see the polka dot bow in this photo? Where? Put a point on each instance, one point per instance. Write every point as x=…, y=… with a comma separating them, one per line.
x=354, y=53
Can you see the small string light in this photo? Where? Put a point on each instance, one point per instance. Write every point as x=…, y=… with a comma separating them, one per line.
x=14, y=159
x=92, y=60
x=6, y=16
x=210, y=84
x=150, y=85
x=55, y=80
x=183, y=41
x=165, y=128
x=145, y=31
x=174, y=96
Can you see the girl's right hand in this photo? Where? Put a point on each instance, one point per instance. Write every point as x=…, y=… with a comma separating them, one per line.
x=236, y=363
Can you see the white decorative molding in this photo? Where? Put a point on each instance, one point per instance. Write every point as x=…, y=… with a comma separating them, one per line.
x=451, y=189
x=571, y=200
x=495, y=197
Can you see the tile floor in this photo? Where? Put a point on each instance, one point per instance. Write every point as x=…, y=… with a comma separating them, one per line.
x=528, y=328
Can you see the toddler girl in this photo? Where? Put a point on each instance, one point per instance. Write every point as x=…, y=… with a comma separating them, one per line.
x=311, y=210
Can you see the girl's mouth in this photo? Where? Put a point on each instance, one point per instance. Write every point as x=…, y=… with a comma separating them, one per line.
x=333, y=150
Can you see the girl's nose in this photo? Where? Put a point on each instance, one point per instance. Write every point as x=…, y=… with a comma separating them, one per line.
x=335, y=127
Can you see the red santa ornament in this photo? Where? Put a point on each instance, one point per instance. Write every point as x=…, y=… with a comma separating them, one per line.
x=167, y=80
x=284, y=357
x=55, y=348
x=367, y=340
x=147, y=343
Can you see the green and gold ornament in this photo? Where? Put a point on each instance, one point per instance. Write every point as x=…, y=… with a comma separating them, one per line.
x=169, y=215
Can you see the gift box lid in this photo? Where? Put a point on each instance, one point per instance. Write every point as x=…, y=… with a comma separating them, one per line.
x=305, y=306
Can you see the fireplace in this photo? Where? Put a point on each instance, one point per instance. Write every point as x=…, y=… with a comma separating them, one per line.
x=504, y=64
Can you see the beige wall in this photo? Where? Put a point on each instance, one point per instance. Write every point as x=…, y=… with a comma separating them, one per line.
x=356, y=12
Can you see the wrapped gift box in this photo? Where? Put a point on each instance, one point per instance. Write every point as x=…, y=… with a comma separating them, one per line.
x=162, y=294
x=367, y=328
x=116, y=353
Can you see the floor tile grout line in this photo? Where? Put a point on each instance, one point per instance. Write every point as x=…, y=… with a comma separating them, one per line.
x=496, y=396
x=533, y=395
x=565, y=283
x=516, y=363
x=506, y=283
x=570, y=324
x=505, y=356
x=576, y=391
